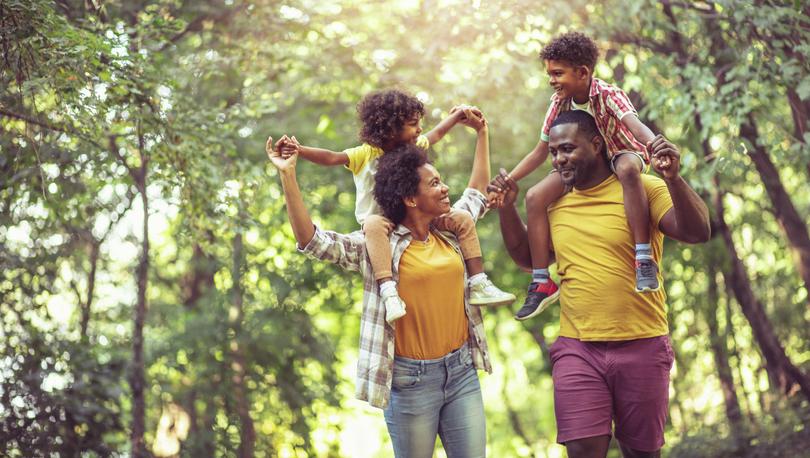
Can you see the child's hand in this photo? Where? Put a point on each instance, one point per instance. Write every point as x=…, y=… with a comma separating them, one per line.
x=459, y=110
x=288, y=146
x=502, y=191
x=666, y=159
x=472, y=120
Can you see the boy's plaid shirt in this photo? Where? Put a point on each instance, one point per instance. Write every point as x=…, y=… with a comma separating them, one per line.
x=376, y=361
x=609, y=105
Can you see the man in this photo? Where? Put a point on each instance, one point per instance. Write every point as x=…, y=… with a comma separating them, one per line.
x=613, y=356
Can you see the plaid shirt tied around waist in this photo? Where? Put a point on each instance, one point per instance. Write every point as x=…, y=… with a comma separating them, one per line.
x=375, y=365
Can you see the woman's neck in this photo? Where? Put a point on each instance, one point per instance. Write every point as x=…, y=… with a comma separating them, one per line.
x=418, y=225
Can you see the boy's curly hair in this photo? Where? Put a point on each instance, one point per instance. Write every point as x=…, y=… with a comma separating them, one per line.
x=384, y=113
x=574, y=48
x=397, y=177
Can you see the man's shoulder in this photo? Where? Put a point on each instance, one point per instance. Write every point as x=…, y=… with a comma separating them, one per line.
x=651, y=182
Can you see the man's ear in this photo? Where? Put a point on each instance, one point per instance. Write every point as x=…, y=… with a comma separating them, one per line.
x=597, y=141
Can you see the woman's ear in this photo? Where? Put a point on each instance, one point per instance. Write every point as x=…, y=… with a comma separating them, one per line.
x=409, y=201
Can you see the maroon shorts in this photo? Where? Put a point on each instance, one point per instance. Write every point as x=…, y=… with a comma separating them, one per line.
x=599, y=382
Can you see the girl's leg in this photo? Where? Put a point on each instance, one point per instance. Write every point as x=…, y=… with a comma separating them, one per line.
x=482, y=290
x=628, y=167
x=542, y=291
x=376, y=230
x=462, y=225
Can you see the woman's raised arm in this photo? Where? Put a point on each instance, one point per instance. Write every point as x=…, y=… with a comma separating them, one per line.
x=479, y=177
x=301, y=223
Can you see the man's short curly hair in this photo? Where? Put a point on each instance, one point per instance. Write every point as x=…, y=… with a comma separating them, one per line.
x=574, y=48
x=586, y=125
x=384, y=113
x=397, y=177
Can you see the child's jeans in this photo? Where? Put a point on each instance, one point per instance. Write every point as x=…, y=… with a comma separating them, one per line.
x=437, y=397
x=376, y=232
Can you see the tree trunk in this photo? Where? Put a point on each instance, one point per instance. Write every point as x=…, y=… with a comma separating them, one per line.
x=789, y=219
x=720, y=353
x=137, y=377
x=91, y=286
x=197, y=283
x=781, y=371
x=247, y=432
x=735, y=353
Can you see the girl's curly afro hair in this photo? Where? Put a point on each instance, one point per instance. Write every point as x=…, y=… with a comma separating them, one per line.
x=384, y=113
x=397, y=177
x=572, y=47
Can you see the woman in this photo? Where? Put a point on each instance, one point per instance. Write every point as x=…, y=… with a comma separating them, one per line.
x=422, y=368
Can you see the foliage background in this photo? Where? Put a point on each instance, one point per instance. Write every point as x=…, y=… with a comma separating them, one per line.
x=199, y=330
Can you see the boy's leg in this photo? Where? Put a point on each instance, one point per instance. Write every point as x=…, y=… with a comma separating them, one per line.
x=376, y=229
x=542, y=291
x=482, y=290
x=628, y=167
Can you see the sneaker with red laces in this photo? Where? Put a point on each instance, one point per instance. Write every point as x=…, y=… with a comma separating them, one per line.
x=540, y=296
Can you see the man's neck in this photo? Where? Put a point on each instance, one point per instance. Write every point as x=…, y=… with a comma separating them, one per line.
x=594, y=179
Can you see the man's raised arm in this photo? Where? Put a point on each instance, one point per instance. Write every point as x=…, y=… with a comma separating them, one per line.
x=688, y=220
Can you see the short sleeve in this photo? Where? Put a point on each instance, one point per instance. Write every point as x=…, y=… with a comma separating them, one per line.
x=551, y=115
x=423, y=142
x=359, y=156
x=658, y=195
x=618, y=103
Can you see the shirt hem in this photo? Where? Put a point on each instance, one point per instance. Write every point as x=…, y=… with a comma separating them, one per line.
x=613, y=337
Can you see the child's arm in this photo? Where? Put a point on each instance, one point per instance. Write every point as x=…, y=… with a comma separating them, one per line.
x=317, y=155
x=441, y=129
x=457, y=114
x=642, y=133
x=532, y=160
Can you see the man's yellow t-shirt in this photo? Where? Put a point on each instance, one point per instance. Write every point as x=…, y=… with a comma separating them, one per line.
x=363, y=164
x=596, y=263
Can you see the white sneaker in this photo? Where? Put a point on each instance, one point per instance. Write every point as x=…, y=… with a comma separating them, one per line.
x=394, y=308
x=484, y=292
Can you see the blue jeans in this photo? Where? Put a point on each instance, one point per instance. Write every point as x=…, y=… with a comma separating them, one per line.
x=437, y=396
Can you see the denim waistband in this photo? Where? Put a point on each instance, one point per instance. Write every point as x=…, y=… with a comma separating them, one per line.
x=450, y=358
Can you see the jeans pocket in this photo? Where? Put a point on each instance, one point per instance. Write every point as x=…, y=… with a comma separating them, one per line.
x=405, y=377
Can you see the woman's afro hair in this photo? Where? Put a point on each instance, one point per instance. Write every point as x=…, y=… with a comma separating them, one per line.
x=397, y=177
